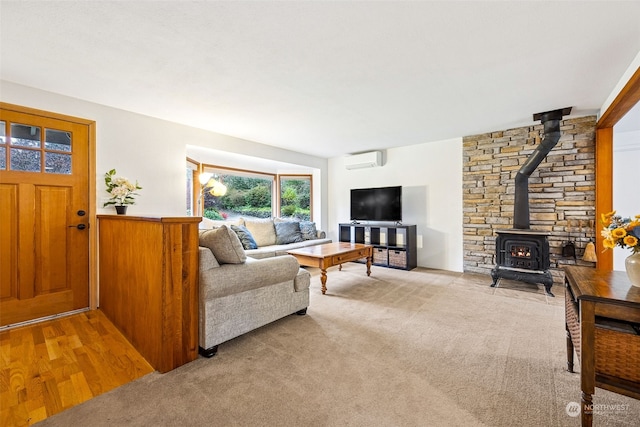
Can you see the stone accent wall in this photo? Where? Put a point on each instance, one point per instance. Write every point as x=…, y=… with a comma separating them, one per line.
x=561, y=190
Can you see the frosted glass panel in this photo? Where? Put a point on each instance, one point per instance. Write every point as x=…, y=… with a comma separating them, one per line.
x=25, y=160
x=57, y=163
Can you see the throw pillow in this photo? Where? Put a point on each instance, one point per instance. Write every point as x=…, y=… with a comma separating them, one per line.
x=262, y=230
x=247, y=240
x=225, y=245
x=288, y=232
x=308, y=230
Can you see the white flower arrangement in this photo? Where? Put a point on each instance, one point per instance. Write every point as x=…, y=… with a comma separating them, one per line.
x=122, y=191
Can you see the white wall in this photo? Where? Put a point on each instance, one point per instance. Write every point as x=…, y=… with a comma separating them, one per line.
x=626, y=196
x=431, y=178
x=153, y=151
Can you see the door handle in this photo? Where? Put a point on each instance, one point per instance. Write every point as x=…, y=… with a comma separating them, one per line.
x=79, y=226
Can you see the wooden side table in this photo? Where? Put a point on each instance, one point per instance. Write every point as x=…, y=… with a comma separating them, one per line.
x=603, y=326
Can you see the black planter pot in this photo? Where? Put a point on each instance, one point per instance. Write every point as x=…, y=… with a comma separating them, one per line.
x=121, y=210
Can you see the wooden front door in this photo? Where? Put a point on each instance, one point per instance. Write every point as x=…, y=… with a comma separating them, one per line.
x=44, y=219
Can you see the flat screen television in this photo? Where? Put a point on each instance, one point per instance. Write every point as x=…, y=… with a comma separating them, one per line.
x=376, y=204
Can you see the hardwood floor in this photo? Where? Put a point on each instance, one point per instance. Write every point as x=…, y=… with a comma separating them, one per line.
x=51, y=366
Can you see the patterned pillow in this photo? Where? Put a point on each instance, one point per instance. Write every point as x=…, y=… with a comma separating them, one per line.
x=288, y=232
x=247, y=240
x=308, y=230
x=225, y=245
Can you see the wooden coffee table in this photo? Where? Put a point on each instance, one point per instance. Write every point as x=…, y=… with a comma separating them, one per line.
x=331, y=254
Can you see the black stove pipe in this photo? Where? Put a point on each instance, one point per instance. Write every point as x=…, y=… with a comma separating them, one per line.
x=551, y=122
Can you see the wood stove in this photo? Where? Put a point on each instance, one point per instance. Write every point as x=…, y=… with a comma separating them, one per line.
x=523, y=255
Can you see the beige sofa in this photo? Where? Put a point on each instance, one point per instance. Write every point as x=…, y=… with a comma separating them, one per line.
x=239, y=293
x=272, y=236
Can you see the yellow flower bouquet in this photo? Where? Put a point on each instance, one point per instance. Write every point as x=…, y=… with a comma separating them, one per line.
x=620, y=231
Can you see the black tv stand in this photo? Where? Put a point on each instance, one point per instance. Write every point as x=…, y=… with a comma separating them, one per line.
x=394, y=246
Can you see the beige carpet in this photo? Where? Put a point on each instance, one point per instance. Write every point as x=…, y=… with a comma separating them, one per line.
x=419, y=348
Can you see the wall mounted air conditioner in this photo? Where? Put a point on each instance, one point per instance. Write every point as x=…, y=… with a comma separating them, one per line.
x=371, y=159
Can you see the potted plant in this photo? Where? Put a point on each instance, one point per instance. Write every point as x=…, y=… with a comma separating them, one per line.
x=121, y=190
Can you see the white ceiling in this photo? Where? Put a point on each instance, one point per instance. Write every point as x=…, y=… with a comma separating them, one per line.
x=326, y=77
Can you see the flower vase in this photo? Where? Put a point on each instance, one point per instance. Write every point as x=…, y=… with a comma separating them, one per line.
x=121, y=210
x=632, y=265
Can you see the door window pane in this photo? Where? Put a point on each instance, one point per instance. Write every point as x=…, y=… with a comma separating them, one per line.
x=57, y=140
x=25, y=160
x=25, y=136
x=57, y=163
x=3, y=148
